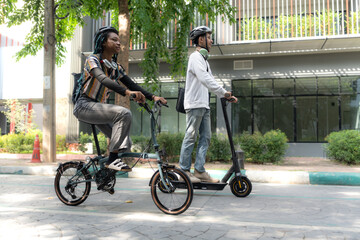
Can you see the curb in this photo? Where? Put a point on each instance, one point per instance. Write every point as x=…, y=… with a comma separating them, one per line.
x=282, y=177
x=335, y=178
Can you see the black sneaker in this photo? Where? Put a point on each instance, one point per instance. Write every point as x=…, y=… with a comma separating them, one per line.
x=118, y=165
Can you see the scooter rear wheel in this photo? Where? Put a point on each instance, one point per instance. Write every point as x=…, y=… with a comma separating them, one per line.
x=242, y=191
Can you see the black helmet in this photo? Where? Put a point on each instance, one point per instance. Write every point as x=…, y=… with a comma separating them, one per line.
x=199, y=31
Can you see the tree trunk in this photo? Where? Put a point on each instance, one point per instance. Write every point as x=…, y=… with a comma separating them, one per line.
x=123, y=57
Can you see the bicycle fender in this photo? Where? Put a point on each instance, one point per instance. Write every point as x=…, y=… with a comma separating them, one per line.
x=152, y=177
x=61, y=165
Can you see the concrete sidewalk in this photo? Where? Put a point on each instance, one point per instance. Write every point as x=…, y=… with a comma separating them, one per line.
x=294, y=170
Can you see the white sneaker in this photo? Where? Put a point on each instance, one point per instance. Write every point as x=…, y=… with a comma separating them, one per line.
x=193, y=179
x=205, y=177
x=119, y=165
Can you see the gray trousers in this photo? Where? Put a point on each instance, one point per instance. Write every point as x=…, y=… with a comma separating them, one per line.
x=113, y=120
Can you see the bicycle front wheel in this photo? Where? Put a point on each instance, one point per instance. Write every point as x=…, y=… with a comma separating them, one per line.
x=175, y=195
x=72, y=185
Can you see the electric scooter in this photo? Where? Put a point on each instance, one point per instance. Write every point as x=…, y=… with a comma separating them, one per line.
x=240, y=185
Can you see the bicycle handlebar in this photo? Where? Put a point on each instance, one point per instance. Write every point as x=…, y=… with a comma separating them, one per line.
x=145, y=105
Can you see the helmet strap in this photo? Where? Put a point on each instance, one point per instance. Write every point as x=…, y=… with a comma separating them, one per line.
x=206, y=44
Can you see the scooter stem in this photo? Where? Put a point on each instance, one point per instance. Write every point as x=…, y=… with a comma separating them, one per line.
x=236, y=166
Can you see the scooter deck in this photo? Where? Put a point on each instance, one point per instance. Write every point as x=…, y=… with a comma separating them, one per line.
x=209, y=186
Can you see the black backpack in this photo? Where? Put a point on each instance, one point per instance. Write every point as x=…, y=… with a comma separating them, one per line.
x=78, y=84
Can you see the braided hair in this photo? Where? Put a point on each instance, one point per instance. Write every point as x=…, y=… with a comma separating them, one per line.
x=101, y=37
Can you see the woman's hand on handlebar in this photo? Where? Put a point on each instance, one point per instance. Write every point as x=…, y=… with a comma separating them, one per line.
x=230, y=98
x=161, y=99
x=136, y=95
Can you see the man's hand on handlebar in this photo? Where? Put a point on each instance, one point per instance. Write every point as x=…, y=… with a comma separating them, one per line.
x=136, y=95
x=161, y=99
x=230, y=98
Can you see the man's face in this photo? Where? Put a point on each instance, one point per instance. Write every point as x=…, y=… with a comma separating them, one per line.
x=203, y=39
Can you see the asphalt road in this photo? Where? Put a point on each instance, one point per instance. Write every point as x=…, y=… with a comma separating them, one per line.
x=29, y=209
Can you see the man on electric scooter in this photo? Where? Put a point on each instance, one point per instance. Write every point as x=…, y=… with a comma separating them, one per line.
x=199, y=81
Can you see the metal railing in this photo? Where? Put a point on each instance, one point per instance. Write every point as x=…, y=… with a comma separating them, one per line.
x=258, y=20
x=278, y=19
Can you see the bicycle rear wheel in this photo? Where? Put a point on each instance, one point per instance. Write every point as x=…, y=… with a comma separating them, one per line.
x=72, y=186
x=176, y=197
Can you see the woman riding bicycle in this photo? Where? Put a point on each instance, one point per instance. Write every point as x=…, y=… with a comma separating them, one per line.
x=102, y=75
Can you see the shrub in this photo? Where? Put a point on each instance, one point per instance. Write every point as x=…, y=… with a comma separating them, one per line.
x=344, y=146
x=1, y=142
x=219, y=149
x=61, y=143
x=268, y=148
x=24, y=143
x=83, y=140
x=275, y=145
x=171, y=142
x=140, y=143
x=89, y=138
x=13, y=143
x=252, y=145
x=102, y=143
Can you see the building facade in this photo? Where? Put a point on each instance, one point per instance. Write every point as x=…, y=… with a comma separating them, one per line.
x=293, y=64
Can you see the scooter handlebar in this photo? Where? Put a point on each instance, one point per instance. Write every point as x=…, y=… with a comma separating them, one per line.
x=228, y=99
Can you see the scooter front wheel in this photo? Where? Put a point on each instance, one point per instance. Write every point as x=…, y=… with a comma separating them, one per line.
x=241, y=191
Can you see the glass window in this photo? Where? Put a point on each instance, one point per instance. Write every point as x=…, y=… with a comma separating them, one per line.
x=350, y=112
x=182, y=122
x=306, y=124
x=262, y=88
x=151, y=87
x=241, y=116
x=263, y=115
x=136, y=119
x=145, y=124
x=241, y=88
x=350, y=85
x=284, y=116
x=213, y=114
x=328, y=116
x=305, y=86
x=169, y=117
x=328, y=86
x=284, y=86
x=169, y=90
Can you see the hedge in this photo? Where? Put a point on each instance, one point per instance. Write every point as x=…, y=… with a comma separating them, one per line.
x=344, y=146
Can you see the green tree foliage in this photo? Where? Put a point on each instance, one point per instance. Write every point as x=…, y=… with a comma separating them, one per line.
x=149, y=21
x=69, y=14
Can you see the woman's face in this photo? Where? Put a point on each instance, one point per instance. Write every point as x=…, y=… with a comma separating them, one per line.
x=112, y=43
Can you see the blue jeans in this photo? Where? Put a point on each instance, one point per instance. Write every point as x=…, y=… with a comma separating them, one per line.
x=197, y=122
